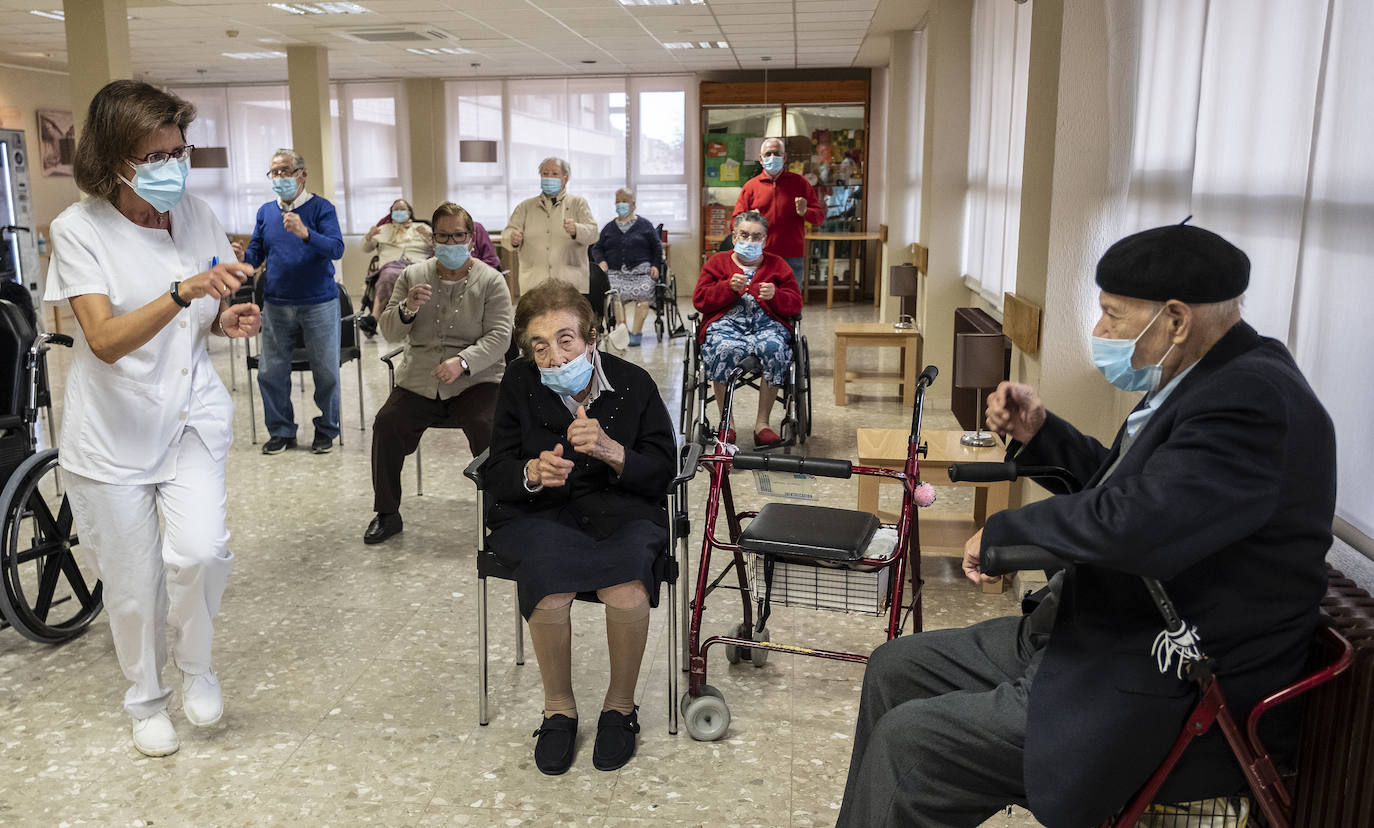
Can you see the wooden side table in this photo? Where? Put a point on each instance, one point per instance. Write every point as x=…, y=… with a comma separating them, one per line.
x=830, y=276
x=877, y=335
x=940, y=533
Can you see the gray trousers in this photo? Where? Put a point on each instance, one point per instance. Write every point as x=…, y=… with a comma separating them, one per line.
x=942, y=725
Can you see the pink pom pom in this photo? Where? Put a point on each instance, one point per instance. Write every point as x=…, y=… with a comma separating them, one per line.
x=925, y=494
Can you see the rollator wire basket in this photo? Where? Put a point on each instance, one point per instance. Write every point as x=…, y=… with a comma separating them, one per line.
x=806, y=586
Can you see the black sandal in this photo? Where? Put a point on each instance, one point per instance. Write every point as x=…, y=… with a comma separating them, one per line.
x=553, y=753
x=615, y=739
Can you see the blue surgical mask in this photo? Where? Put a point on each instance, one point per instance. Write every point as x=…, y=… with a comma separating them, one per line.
x=285, y=188
x=551, y=186
x=748, y=251
x=400, y=216
x=622, y=209
x=451, y=256
x=772, y=164
x=161, y=184
x=569, y=378
x=1113, y=358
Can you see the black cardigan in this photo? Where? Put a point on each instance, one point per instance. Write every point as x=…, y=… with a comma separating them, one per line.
x=531, y=418
x=636, y=245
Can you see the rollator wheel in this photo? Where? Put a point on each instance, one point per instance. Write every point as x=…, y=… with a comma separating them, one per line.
x=707, y=717
x=47, y=595
x=733, y=653
x=759, y=657
x=686, y=700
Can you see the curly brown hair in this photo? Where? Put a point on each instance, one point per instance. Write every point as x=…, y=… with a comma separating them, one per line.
x=548, y=297
x=121, y=115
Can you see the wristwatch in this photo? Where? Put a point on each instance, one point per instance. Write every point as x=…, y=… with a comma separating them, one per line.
x=176, y=296
x=464, y=363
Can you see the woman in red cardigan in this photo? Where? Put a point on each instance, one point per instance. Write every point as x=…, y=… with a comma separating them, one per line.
x=747, y=299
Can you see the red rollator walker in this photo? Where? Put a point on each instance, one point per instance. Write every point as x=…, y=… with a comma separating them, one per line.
x=794, y=534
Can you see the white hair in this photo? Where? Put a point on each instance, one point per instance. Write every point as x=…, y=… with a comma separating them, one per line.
x=296, y=157
x=563, y=165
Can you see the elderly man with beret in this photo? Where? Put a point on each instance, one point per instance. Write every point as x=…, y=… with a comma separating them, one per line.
x=1220, y=484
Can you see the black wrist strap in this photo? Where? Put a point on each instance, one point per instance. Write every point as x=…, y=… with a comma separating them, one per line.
x=176, y=296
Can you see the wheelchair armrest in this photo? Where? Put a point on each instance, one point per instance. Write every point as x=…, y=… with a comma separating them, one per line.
x=390, y=355
x=688, y=469
x=1001, y=560
x=819, y=466
x=473, y=470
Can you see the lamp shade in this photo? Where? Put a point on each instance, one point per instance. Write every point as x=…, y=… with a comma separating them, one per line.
x=902, y=280
x=481, y=152
x=214, y=158
x=980, y=360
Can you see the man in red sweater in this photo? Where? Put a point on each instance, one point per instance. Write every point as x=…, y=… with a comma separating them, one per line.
x=787, y=201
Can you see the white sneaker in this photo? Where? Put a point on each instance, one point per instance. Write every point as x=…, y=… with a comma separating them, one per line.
x=201, y=698
x=155, y=736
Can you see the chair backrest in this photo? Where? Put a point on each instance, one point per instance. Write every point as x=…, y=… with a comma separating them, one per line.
x=16, y=337
x=348, y=333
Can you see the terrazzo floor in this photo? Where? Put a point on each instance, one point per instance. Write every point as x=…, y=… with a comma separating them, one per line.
x=349, y=671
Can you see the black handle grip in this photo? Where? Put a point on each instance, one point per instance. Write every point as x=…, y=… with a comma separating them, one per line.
x=982, y=472
x=1000, y=560
x=927, y=376
x=819, y=466
x=58, y=339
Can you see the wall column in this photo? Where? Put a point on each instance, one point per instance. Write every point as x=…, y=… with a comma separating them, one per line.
x=312, y=135
x=428, y=115
x=97, y=49
x=902, y=195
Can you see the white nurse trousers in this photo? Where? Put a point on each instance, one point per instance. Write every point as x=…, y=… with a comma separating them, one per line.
x=158, y=576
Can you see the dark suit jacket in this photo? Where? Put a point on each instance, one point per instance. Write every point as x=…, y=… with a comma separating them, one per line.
x=1227, y=497
x=530, y=418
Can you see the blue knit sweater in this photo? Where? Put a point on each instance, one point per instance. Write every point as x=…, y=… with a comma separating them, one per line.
x=638, y=244
x=298, y=272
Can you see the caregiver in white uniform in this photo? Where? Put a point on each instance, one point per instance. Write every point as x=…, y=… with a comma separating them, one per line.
x=147, y=421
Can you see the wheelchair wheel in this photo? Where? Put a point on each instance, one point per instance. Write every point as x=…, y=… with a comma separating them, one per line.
x=803, y=390
x=47, y=595
x=689, y=387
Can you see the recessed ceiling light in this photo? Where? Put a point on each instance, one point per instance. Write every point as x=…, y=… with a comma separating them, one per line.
x=662, y=2
x=700, y=44
x=51, y=14
x=448, y=50
x=253, y=55
x=320, y=8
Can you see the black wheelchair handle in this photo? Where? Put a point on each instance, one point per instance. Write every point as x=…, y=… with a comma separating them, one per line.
x=747, y=365
x=1001, y=560
x=818, y=466
x=927, y=377
x=56, y=339
x=982, y=472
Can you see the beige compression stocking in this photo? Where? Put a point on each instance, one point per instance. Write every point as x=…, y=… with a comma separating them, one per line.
x=551, y=634
x=627, y=630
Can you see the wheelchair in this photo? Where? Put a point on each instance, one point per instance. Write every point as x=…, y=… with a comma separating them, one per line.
x=367, y=312
x=1272, y=797
x=694, y=417
x=45, y=593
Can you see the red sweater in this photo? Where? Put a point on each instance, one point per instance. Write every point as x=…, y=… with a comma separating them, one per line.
x=776, y=199
x=714, y=297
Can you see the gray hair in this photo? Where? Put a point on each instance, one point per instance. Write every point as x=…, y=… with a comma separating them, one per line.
x=563, y=165
x=296, y=157
x=750, y=215
x=1219, y=316
x=782, y=145
x=627, y=191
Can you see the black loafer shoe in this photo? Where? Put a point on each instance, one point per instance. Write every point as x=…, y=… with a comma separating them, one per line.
x=382, y=527
x=553, y=753
x=615, y=739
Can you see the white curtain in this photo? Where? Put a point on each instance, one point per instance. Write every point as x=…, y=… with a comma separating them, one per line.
x=1254, y=117
x=997, y=138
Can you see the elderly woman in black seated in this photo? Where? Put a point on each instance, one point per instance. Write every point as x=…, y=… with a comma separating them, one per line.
x=582, y=451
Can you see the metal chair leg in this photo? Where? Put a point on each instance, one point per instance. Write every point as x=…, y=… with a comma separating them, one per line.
x=519, y=634
x=252, y=410
x=362, y=423
x=419, y=474
x=672, y=620
x=233, y=372
x=482, y=717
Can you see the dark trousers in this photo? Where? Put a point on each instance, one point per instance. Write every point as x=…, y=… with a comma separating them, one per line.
x=402, y=421
x=942, y=727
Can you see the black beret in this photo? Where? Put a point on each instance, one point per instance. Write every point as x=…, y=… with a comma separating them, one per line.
x=1179, y=261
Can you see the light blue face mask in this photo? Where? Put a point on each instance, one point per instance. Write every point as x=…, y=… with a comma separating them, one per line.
x=451, y=256
x=161, y=184
x=1113, y=358
x=569, y=378
x=772, y=164
x=400, y=216
x=622, y=209
x=748, y=251
x=285, y=188
x=551, y=186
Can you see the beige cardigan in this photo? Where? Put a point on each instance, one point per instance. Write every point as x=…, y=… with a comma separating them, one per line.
x=547, y=250
x=471, y=318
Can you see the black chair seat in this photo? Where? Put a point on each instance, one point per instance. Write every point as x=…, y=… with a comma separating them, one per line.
x=817, y=533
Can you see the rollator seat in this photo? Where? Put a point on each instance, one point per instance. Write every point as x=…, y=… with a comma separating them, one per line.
x=816, y=533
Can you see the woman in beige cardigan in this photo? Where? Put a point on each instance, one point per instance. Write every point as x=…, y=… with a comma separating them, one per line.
x=552, y=231
x=455, y=314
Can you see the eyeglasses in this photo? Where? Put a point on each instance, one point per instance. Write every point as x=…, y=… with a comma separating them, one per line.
x=751, y=237
x=179, y=153
x=452, y=238
x=290, y=173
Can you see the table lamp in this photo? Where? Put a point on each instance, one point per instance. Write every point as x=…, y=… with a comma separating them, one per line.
x=475, y=151
x=902, y=282
x=979, y=363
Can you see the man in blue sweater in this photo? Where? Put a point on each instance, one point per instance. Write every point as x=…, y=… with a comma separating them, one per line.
x=298, y=237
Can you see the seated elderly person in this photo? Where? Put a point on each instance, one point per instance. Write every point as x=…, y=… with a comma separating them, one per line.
x=629, y=251
x=747, y=299
x=454, y=314
x=400, y=241
x=581, y=454
x=1221, y=484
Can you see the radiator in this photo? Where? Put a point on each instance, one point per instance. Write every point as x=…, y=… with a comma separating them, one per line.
x=1335, y=787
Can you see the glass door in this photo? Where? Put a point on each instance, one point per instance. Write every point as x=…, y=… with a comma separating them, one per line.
x=730, y=155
